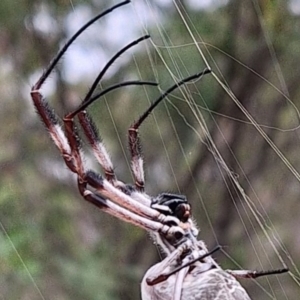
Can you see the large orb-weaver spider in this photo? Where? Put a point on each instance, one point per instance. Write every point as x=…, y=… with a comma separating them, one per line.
x=188, y=271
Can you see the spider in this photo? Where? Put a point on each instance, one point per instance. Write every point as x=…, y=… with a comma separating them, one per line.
x=188, y=270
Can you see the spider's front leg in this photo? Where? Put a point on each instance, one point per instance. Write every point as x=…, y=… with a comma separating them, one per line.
x=133, y=132
x=67, y=145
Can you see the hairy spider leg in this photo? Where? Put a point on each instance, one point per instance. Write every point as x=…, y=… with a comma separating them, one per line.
x=134, y=138
x=109, y=191
x=86, y=121
x=47, y=114
x=69, y=146
x=95, y=139
x=100, y=151
x=141, y=216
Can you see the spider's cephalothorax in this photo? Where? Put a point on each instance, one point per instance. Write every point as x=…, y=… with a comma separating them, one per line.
x=173, y=205
x=188, y=271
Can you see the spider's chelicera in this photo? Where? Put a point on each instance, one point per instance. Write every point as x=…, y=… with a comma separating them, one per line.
x=188, y=270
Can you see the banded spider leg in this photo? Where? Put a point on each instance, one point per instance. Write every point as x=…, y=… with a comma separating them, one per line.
x=69, y=146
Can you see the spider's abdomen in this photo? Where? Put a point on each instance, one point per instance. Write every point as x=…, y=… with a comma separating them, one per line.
x=215, y=284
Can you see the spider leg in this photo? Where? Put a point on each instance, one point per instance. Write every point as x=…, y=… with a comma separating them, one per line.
x=91, y=132
x=109, y=191
x=255, y=274
x=88, y=98
x=51, y=121
x=156, y=273
x=68, y=141
x=179, y=283
x=47, y=114
x=86, y=122
x=177, y=263
x=134, y=138
x=63, y=50
x=97, y=145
